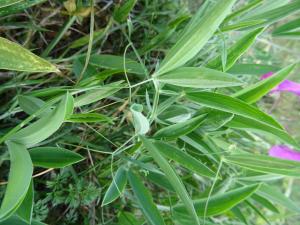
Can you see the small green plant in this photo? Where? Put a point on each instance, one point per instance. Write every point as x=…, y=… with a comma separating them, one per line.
x=162, y=131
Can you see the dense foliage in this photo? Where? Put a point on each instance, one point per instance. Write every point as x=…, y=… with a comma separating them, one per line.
x=145, y=112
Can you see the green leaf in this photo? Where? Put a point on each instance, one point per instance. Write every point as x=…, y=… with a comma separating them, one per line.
x=121, y=13
x=19, y=179
x=144, y=199
x=117, y=63
x=215, y=120
x=199, y=77
x=243, y=10
x=15, y=57
x=247, y=124
x=89, y=118
x=242, y=25
x=265, y=202
x=273, y=194
x=171, y=175
x=255, y=92
x=184, y=159
x=140, y=122
x=85, y=39
x=232, y=105
x=31, y=104
x=44, y=127
x=287, y=27
x=116, y=187
x=4, y=3
x=236, y=50
x=21, y=5
x=265, y=164
x=15, y=220
x=252, y=69
x=273, y=15
x=53, y=157
x=180, y=129
x=97, y=94
x=26, y=208
x=127, y=218
x=194, y=39
x=220, y=203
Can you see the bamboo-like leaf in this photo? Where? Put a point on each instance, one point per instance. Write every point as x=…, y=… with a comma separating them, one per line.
x=121, y=13
x=44, y=127
x=252, y=69
x=4, y=3
x=85, y=39
x=116, y=187
x=19, y=179
x=21, y=5
x=15, y=220
x=26, y=208
x=184, y=159
x=199, y=77
x=275, y=195
x=219, y=203
x=179, y=129
x=53, y=157
x=247, y=124
x=117, y=62
x=265, y=164
x=236, y=50
x=273, y=15
x=144, y=199
x=89, y=118
x=255, y=92
x=172, y=177
x=242, y=25
x=194, y=39
x=15, y=57
x=286, y=28
x=232, y=105
x=97, y=94
x=31, y=104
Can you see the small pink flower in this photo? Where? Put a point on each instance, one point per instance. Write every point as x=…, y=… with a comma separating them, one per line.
x=284, y=86
x=284, y=152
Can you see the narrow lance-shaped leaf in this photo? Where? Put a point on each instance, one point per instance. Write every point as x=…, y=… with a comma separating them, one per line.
x=19, y=179
x=220, y=203
x=172, y=177
x=255, y=92
x=21, y=5
x=121, y=13
x=31, y=104
x=26, y=208
x=46, y=126
x=232, y=105
x=196, y=37
x=116, y=187
x=144, y=199
x=265, y=164
x=184, y=159
x=89, y=118
x=199, y=77
x=53, y=157
x=97, y=94
x=247, y=124
x=273, y=15
x=4, y=3
x=236, y=50
x=15, y=57
x=179, y=129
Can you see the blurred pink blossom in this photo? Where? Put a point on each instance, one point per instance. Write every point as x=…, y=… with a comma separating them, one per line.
x=284, y=152
x=284, y=86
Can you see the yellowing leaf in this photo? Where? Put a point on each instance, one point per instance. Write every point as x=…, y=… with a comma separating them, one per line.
x=15, y=57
